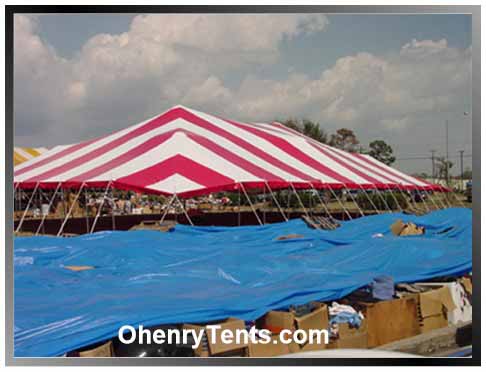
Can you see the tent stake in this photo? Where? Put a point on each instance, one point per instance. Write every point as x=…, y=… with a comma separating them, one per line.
x=70, y=210
x=276, y=202
x=299, y=199
x=354, y=201
x=340, y=203
x=251, y=205
x=48, y=209
x=27, y=208
x=100, y=207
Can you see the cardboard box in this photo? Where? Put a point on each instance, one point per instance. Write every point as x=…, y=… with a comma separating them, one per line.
x=392, y=320
x=351, y=338
x=274, y=348
x=102, y=351
x=433, y=306
x=216, y=346
x=276, y=321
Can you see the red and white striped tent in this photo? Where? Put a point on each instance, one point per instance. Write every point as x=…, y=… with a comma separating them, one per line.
x=188, y=153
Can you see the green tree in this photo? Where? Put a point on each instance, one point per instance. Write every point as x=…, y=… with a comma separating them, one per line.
x=307, y=127
x=345, y=139
x=443, y=167
x=382, y=151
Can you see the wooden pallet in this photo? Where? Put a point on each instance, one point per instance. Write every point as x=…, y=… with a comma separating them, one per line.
x=321, y=223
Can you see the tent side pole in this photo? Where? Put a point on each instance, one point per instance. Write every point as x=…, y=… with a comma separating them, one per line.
x=167, y=209
x=420, y=196
x=322, y=202
x=44, y=216
x=447, y=201
x=239, y=207
x=184, y=209
x=370, y=200
x=394, y=198
x=70, y=210
x=354, y=201
x=431, y=198
x=100, y=207
x=458, y=200
x=382, y=199
x=299, y=199
x=276, y=201
x=86, y=209
x=340, y=203
x=251, y=205
x=27, y=208
x=439, y=201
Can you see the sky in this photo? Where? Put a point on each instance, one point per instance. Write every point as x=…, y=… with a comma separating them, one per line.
x=399, y=78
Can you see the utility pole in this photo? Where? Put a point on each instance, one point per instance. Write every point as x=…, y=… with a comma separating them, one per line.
x=433, y=165
x=462, y=171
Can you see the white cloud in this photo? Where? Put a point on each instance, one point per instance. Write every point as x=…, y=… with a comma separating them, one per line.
x=163, y=60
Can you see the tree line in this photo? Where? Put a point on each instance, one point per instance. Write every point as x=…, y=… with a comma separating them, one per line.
x=344, y=139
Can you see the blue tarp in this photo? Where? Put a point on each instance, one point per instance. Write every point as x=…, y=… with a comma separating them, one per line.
x=198, y=274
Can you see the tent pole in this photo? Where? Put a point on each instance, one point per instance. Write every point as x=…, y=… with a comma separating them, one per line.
x=340, y=203
x=86, y=209
x=432, y=199
x=354, y=201
x=447, y=201
x=98, y=212
x=300, y=200
x=439, y=201
x=382, y=199
x=27, y=207
x=70, y=210
x=167, y=208
x=405, y=197
x=420, y=196
x=48, y=209
x=394, y=198
x=370, y=199
x=458, y=200
x=113, y=222
x=251, y=205
x=239, y=207
x=288, y=203
x=264, y=202
x=276, y=202
x=321, y=201
x=183, y=209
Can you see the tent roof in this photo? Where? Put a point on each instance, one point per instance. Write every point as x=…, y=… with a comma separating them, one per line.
x=22, y=154
x=187, y=152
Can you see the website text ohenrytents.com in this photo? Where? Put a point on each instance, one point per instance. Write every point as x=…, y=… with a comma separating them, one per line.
x=128, y=334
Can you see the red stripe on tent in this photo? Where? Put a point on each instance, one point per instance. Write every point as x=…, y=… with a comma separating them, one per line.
x=176, y=165
x=56, y=156
x=330, y=148
x=347, y=165
x=392, y=172
x=163, y=120
x=160, y=139
x=169, y=116
x=293, y=151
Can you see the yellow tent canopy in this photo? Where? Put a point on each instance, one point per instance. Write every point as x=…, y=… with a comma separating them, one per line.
x=22, y=154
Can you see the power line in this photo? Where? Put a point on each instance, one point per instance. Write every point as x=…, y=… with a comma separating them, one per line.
x=428, y=157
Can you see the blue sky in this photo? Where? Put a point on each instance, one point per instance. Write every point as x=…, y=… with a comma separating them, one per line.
x=396, y=77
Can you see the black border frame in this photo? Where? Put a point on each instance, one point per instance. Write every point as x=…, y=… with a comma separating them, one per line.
x=474, y=10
